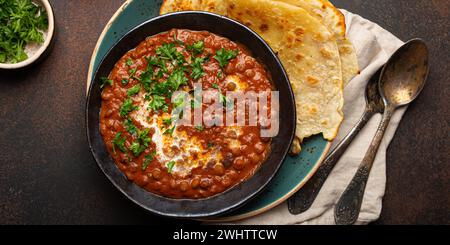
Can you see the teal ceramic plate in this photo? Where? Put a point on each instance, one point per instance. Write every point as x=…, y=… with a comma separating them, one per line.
x=294, y=172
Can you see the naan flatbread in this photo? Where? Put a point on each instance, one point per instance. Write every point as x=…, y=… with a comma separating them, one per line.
x=334, y=20
x=213, y=6
x=307, y=49
x=323, y=10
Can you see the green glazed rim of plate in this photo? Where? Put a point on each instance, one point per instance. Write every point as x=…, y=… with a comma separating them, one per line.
x=294, y=172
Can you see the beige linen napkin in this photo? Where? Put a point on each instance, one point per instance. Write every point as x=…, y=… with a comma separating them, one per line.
x=374, y=46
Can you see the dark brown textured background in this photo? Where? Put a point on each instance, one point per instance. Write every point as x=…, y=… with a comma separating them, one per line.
x=47, y=174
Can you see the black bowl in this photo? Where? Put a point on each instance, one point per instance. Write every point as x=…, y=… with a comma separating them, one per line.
x=234, y=197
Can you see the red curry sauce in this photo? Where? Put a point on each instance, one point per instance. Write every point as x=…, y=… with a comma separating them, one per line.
x=146, y=76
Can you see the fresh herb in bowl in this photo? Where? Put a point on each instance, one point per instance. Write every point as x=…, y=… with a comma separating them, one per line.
x=21, y=22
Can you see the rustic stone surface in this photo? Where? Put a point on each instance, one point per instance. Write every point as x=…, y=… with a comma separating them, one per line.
x=418, y=159
x=47, y=174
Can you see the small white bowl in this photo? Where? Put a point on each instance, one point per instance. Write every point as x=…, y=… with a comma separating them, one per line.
x=34, y=52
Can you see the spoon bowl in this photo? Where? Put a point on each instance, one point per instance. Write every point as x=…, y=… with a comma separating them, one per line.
x=401, y=81
x=404, y=76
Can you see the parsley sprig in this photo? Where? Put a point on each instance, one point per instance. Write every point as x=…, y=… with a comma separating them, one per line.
x=157, y=103
x=223, y=56
x=119, y=142
x=141, y=143
x=130, y=127
x=170, y=166
x=147, y=160
x=197, y=69
x=104, y=81
x=197, y=48
x=21, y=22
x=134, y=90
x=127, y=107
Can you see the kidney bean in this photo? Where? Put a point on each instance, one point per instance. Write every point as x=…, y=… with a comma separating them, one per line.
x=110, y=123
x=228, y=160
x=156, y=174
x=239, y=163
x=219, y=169
x=231, y=86
x=205, y=183
x=226, y=181
x=254, y=158
x=236, y=150
x=195, y=182
x=250, y=73
x=142, y=180
x=248, y=138
x=260, y=147
x=211, y=163
x=108, y=112
x=184, y=186
x=231, y=134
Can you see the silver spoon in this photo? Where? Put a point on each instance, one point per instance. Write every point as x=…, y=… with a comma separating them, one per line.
x=402, y=79
x=304, y=198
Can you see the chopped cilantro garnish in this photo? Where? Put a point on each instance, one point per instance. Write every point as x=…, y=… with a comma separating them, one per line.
x=125, y=82
x=179, y=101
x=167, y=51
x=176, y=79
x=197, y=69
x=160, y=74
x=147, y=160
x=146, y=79
x=21, y=22
x=223, y=99
x=162, y=88
x=170, y=166
x=130, y=127
x=196, y=48
x=228, y=103
x=127, y=107
x=144, y=138
x=157, y=103
x=224, y=56
x=137, y=148
x=180, y=58
x=167, y=121
x=132, y=72
x=170, y=131
x=142, y=142
x=152, y=61
x=104, y=81
x=215, y=85
x=220, y=74
x=119, y=141
x=155, y=61
x=129, y=62
x=134, y=90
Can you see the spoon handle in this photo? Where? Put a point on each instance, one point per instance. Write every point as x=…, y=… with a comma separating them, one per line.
x=304, y=198
x=348, y=207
